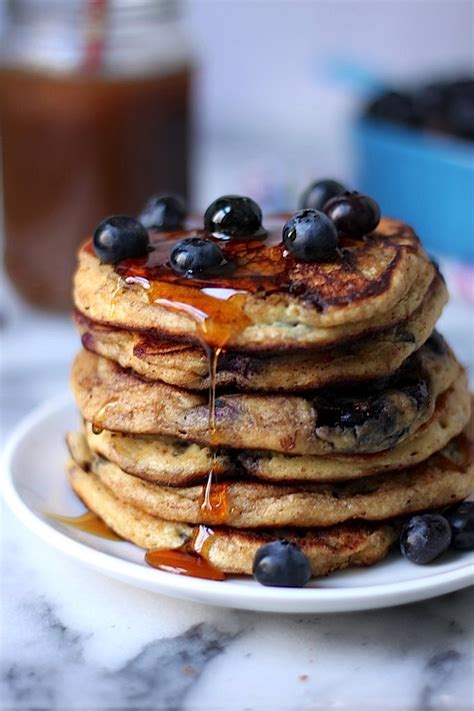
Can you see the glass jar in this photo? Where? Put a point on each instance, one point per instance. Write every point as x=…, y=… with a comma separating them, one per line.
x=95, y=118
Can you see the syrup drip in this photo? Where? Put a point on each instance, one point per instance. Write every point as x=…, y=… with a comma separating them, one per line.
x=216, y=304
x=90, y=523
x=218, y=317
x=213, y=355
x=201, y=540
x=214, y=505
x=189, y=559
x=217, y=321
x=99, y=417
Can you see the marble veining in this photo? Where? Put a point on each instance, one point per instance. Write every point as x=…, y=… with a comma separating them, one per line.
x=74, y=640
x=162, y=674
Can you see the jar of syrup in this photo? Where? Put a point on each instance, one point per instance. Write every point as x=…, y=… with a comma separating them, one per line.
x=95, y=118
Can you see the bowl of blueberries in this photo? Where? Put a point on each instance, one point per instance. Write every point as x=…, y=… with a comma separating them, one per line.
x=415, y=155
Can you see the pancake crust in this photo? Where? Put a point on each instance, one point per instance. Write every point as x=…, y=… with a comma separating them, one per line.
x=443, y=479
x=231, y=550
x=453, y=410
x=371, y=421
x=187, y=366
x=163, y=460
x=377, y=283
x=168, y=461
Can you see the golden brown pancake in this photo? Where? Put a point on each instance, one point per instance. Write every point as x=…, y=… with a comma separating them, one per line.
x=443, y=479
x=231, y=550
x=187, y=366
x=351, y=420
x=336, y=413
x=163, y=460
x=172, y=462
x=374, y=284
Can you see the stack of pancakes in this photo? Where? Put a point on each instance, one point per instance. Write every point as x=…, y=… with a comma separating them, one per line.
x=338, y=409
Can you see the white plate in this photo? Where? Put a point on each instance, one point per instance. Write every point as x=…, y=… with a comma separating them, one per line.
x=34, y=483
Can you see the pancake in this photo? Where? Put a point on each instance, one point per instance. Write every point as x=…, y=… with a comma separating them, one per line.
x=453, y=409
x=231, y=550
x=172, y=462
x=369, y=419
x=443, y=479
x=187, y=366
x=376, y=283
x=163, y=460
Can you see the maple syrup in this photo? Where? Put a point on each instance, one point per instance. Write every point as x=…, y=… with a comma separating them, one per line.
x=90, y=523
x=99, y=417
x=190, y=559
x=214, y=499
x=217, y=306
x=259, y=264
x=182, y=562
x=95, y=110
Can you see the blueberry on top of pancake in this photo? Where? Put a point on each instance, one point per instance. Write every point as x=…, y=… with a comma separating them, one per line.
x=271, y=299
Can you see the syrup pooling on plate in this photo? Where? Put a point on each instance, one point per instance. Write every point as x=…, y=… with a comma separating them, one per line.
x=88, y=522
x=190, y=559
x=182, y=562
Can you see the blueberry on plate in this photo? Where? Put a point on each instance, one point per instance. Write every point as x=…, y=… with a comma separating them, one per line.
x=233, y=216
x=120, y=237
x=424, y=538
x=310, y=236
x=461, y=520
x=353, y=214
x=281, y=564
x=163, y=212
x=319, y=193
x=194, y=255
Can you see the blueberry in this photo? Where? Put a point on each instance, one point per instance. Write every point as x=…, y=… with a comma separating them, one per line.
x=424, y=538
x=281, y=564
x=437, y=344
x=319, y=193
x=461, y=520
x=234, y=216
x=120, y=237
x=310, y=236
x=194, y=255
x=353, y=214
x=163, y=212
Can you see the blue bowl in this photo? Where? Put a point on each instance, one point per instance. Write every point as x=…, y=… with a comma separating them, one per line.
x=423, y=179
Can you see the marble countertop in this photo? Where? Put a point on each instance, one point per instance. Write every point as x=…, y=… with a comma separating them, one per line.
x=74, y=639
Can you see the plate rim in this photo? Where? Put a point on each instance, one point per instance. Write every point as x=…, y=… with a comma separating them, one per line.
x=297, y=601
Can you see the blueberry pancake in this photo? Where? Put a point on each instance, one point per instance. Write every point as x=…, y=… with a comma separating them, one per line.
x=173, y=462
x=232, y=550
x=368, y=418
x=443, y=479
x=187, y=365
x=280, y=302
x=268, y=396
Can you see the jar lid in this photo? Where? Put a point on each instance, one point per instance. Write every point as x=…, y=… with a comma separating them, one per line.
x=107, y=36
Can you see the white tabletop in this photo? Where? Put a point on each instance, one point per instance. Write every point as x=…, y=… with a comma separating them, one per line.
x=74, y=639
